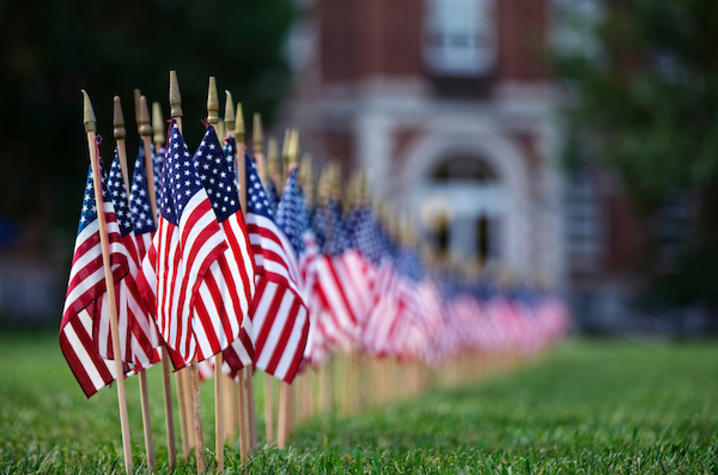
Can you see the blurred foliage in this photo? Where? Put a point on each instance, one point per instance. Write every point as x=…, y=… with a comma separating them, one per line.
x=646, y=104
x=52, y=51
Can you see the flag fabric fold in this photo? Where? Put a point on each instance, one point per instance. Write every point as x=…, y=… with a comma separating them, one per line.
x=226, y=291
x=279, y=314
x=188, y=240
x=85, y=289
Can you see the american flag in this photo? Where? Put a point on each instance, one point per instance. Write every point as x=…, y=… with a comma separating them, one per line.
x=293, y=217
x=86, y=286
x=227, y=289
x=137, y=330
x=279, y=315
x=377, y=329
x=339, y=301
x=188, y=240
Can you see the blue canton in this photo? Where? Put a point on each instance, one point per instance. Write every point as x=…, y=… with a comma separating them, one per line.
x=332, y=233
x=118, y=193
x=408, y=263
x=368, y=235
x=89, y=207
x=230, y=149
x=292, y=214
x=179, y=179
x=256, y=196
x=211, y=167
x=272, y=195
x=140, y=206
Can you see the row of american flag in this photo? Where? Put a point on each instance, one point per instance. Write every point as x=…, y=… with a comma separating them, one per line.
x=281, y=285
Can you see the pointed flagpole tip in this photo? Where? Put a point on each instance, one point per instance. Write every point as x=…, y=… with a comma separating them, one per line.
x=294, y=146
x=158, y=126
x=229, y=116
x=306, y=178
x=136, y=95
x=88, y=113
x=324, y=187
x=273, y=168
x=257, y=134
x=272, y=151
x=118, y=120
x=285, y=144
x=175, y=97
x=239, y=129
x=212, y=102
x=145, y=129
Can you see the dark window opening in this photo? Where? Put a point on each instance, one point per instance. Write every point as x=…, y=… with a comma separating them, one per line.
x=463, y=168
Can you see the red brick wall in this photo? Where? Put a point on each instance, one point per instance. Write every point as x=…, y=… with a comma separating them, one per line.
x=360, y=39
x=522, y=32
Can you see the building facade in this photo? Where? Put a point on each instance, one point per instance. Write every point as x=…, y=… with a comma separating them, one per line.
x=450, y=108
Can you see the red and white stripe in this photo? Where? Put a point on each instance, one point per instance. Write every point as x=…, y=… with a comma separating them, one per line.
x=279, y=314
x=172, y=272
x=224, y=297
x=137, y=332
x=86, y=286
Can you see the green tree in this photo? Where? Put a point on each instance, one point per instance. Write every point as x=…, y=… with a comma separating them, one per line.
x=52, y=51
x=645, y=103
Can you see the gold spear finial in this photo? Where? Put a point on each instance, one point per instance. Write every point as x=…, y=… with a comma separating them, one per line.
x=175, y=97
x=137, y=95
x=88, y=113
x=335, y=180
x=145, y=129
x=212, y=102
x=293, y=151
x=158, y=126
x=306, y=178
x=285, y=144
x=257, y=135
x=239, y=130
x=118, y=120
x=324, y=186
x=273, y=156
x=229, y=116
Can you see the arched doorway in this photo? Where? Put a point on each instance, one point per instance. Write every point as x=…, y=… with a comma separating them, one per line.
x=477, y=184
x=463, y=208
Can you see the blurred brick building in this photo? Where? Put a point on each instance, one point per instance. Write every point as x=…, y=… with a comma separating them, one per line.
x=449, y=106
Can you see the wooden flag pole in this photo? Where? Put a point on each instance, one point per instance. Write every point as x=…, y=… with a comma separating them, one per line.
x=241, y=171
x=230, y=386
x=258, y=146
x=194, y=399
x=157, y=129
x=119, y=134
x=272, y=153
x=284, y=422
x=91, y=130
x=273, y=166
x=184, y=390
x=213, y=119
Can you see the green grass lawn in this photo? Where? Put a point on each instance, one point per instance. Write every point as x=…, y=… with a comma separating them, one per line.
x=587, y=406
